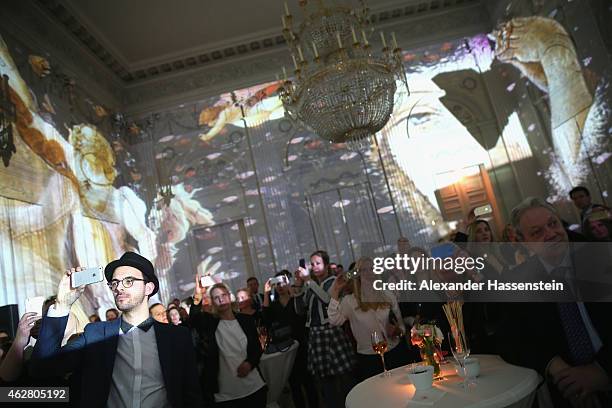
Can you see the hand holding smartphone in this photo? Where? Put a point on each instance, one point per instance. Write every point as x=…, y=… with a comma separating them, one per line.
x=279, y=280
x=303, y=271
x=34, y=305
x=71, y=287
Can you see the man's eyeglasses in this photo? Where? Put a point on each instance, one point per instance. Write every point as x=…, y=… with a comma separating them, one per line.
x=127, y=282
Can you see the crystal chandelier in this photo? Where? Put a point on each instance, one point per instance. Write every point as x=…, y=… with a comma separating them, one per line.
x=341, y=89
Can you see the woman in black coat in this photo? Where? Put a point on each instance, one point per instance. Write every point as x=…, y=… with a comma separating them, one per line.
x=282, y=313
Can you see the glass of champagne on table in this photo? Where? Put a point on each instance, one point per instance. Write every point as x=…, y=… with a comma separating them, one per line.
x=461, y=351
x=380, y=345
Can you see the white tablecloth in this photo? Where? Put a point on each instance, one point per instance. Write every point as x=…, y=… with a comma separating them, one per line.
x=276, y=368
x=499, y=385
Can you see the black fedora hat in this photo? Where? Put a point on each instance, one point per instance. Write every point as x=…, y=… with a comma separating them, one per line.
x=136, y=261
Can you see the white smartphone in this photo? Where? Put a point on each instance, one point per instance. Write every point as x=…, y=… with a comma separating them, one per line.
x=279, y=280
x=34, y=304
x=87, y=277
x=206, y=281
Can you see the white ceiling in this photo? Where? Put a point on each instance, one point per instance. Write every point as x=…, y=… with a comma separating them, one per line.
x=164, y=53
x=144, y=33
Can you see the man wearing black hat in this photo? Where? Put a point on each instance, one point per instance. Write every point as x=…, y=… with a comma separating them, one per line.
x=132, y=361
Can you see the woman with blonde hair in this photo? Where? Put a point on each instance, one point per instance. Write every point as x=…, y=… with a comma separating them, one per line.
x=481, y=242
x=369, y=310
x=597, y=225
x=231, y=351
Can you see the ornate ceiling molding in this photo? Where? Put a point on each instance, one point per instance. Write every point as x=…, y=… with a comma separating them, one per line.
x=413, y=31
x=47, y=25
x=28, y=24
x=72, y=22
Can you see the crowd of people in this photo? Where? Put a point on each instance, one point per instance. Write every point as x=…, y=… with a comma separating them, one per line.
x=206, y=350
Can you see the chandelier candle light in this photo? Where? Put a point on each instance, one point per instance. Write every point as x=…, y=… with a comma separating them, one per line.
x=341, y=89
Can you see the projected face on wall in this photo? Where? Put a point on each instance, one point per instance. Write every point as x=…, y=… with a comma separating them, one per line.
x=435, y=134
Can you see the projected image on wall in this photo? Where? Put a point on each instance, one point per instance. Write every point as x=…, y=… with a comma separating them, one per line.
x=487, y=120
x=66, y=209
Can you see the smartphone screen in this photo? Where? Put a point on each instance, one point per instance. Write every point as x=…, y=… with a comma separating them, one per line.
x=303, y=263
x=483, y=210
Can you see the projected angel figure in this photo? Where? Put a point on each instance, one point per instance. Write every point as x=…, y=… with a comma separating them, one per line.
x=84, y=219
x=544, y=52
x=172, y=222
x=259, y=106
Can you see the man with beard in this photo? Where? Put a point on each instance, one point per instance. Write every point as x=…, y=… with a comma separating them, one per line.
x=127, y=362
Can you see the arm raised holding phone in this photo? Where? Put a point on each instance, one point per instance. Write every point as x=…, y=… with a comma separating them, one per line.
x=66, y=294
x=12, y=364
x=313, y=285
x=49, y=358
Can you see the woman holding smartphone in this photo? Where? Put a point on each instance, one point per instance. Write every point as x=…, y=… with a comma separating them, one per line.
x=369, y=310
x=231, y=376
x=330, y=353
x=281, y=312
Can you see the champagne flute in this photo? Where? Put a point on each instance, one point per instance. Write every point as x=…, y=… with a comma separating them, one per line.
x=379, y=344
x=461, y=351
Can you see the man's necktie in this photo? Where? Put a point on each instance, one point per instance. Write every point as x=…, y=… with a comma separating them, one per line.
x=578, y=339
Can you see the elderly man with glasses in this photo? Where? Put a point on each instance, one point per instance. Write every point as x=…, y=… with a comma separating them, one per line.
x=127, y=362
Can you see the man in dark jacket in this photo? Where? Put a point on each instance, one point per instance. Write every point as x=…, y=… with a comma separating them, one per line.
x=132, y=361
x=575, y=355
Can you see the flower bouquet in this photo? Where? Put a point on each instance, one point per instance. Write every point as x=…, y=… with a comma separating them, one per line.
x=428, y=338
